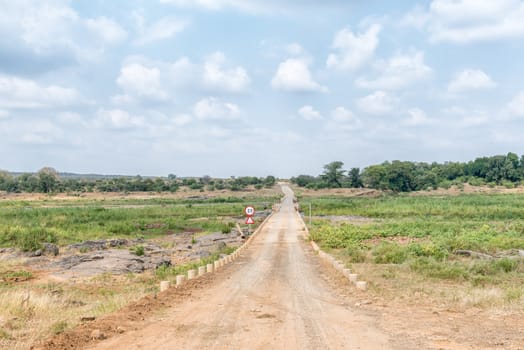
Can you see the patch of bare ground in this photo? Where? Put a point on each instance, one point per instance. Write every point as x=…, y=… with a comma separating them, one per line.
x=367, y=192
x=128, y=318
x=184, y=193
x=422, y=313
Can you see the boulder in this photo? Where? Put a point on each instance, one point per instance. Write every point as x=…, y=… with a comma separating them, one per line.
x=50, y=249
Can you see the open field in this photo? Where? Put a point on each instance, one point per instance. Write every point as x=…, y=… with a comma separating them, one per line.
x=460, y=256
x=34, y=304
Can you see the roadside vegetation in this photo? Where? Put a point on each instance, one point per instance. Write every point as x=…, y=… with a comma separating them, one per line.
x=28, y=224
x=469, y=240
x=401, y=176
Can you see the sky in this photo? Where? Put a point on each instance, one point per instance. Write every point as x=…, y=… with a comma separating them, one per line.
x=257, y=87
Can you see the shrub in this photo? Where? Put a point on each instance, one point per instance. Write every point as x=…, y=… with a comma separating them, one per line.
x=443, y=270
x=388, y=253
x=59, y=327
x=28, y=239
x=138, y=250
x=355, y=253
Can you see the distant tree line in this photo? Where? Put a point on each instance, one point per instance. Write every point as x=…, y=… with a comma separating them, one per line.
x=48, y=180
x=405, y=176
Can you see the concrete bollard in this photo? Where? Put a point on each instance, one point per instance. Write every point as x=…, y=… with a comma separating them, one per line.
x=216, y=265
x=201, y=271
x=222, y=262
x=164, y=285
x=362, y=285
x=353, y=277
x=209, y=268
x=191, y=274
x=180, y=279
x=346, y=272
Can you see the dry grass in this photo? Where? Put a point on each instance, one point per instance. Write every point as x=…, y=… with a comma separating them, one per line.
x=398, y=284
x=31, y=311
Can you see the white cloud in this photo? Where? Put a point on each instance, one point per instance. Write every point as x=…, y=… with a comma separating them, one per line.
x=107, y=29
x=417, y=117
x=41, y=132
x=398, y=72
x=43, y=28
x=163, y=29
x=212, y=108
x=343, y=119
x=342, y=115
x=293, y=75
x=182, y=120
x=215, y=77
x=160, y=78
x=117, y=119
x=256, y=6
x=470, y=79
x=295, y=49
x=354, y=50
x=516, y=106
x=464, y=21
x=309, y=113
x=140, y=81
x=22, y=93
x=377, y=103
x=467, y=118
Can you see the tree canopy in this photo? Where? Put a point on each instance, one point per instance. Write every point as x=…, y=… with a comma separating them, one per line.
x=405, y=176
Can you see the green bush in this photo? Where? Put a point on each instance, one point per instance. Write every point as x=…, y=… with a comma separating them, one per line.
x=28, y=239
x=138, y=250
x=355, y=253
x=443, y=270
x=389, y=253
x=427, y=249
x=226, y=227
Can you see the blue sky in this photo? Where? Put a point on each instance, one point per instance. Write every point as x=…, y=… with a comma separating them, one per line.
x=252, y=87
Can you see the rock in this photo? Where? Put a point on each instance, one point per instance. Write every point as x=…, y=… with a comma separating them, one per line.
x=97, y=335
x=87, y=318
x=521, y=252
x=50, y=249
x=90, y=245
x=117, y=242
x=120, y=329
x=221, y=245
x=37, y=252
x=74, y=260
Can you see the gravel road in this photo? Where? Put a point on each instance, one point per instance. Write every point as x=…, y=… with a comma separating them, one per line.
x=273, y=297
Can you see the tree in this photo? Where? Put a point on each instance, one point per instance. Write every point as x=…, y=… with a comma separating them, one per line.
x=333, y=174
x=354, y=178
x=374, y=176
x=269, y=181
x=48, y=179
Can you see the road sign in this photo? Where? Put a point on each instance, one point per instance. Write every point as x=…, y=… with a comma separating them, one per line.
x=249, y=220
x=249, y=210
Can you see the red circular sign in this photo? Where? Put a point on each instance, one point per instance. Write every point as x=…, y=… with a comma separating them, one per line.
x=249, y=210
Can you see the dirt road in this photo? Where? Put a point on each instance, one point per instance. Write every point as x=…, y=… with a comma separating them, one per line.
x=271, y=298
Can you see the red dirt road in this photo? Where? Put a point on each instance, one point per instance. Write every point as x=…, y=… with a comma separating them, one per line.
x=273, y=297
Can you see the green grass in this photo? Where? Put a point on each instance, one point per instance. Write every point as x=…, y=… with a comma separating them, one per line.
x=28, y=224
x=424, y=232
